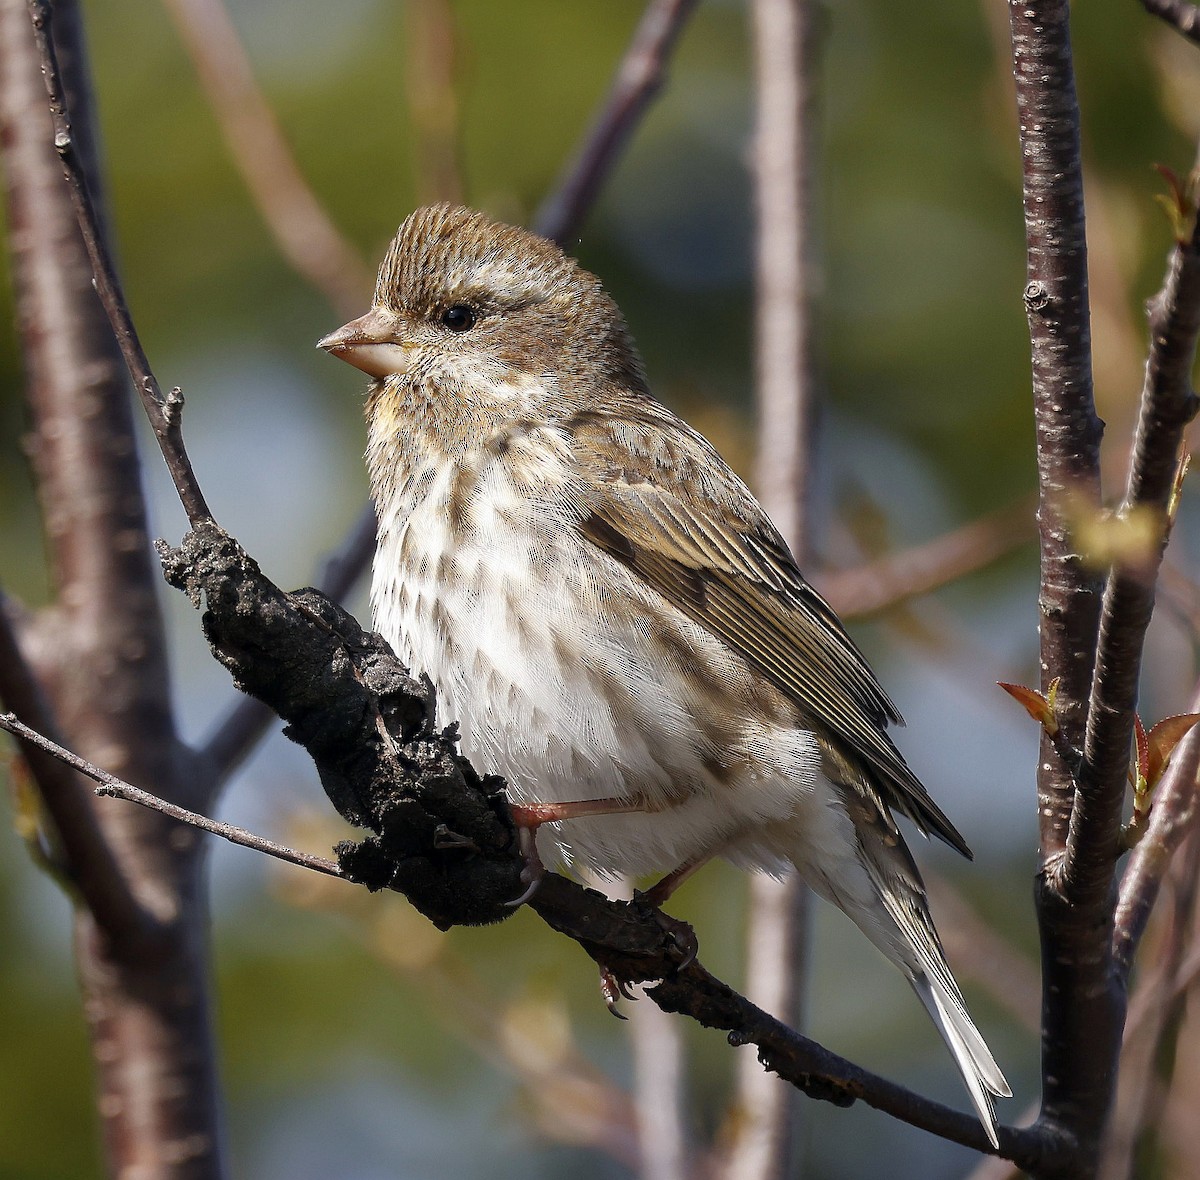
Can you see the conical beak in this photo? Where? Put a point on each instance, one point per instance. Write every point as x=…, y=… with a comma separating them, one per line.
x=370, y=343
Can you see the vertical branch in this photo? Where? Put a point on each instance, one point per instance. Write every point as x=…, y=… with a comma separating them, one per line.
x=1167, y=406
x=785, y=379
x=785, y=349
x=659, y=1088
x=1068, y=431
x=77, y=157
x=433, y=99
x=105, y=674
x=639, y=77
x=1082, y=1009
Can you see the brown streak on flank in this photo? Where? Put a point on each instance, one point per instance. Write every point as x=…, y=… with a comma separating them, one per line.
x=458, y=504
x=703, y=676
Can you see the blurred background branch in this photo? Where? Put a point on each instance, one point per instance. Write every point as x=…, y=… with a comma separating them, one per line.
x=764, y=1118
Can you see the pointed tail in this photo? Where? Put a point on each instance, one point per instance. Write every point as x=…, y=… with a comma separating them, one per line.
x=978, y=1067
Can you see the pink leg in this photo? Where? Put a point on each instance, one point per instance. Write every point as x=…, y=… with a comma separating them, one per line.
x=528, y=817
x=657, y=894
x=533, y=815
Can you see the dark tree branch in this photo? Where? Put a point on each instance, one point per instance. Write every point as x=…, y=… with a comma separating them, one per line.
x=164, y=412
x=1168, y=405
x=1068, y=431
x=620, y=936
x=638, y=79
x=234, y=737
x=105, y=675
x=1180, y=14
x=1082, y=1005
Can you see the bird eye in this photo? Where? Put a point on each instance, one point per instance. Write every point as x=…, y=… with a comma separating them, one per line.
x=458, y=318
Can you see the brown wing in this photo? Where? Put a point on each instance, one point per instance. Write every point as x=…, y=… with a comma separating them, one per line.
x=717, y=558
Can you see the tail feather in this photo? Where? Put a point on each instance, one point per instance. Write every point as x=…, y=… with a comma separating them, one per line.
x=979, y=1070
x=907, y=936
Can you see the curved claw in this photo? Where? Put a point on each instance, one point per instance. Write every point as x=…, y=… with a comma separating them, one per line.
x=527, y=893
x=687, y=944
x=534, y=870
x=680, y=933
x=612, y=989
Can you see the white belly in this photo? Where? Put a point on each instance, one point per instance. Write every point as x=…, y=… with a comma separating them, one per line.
x=550, y=657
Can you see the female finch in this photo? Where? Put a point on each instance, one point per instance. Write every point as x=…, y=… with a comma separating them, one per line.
x=608, y=613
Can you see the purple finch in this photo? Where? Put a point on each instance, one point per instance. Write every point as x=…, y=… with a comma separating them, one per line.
x=608, y=613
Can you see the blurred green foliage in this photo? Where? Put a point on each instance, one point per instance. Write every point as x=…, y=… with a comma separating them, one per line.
x=927, y=423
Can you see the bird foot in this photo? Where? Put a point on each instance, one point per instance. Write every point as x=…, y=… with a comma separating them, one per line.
x=613, y=989
x=680, y=934
x=533, y=870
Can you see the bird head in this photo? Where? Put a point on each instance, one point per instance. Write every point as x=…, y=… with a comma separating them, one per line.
x=478, y=308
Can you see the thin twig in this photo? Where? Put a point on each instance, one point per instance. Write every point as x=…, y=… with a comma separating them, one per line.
x=994, y=1167
x=111, y=785
x=1179, y=14
x=303, y=230
x=164, y=412
x=688, y=989
x=638, y=79
x=692, y=991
